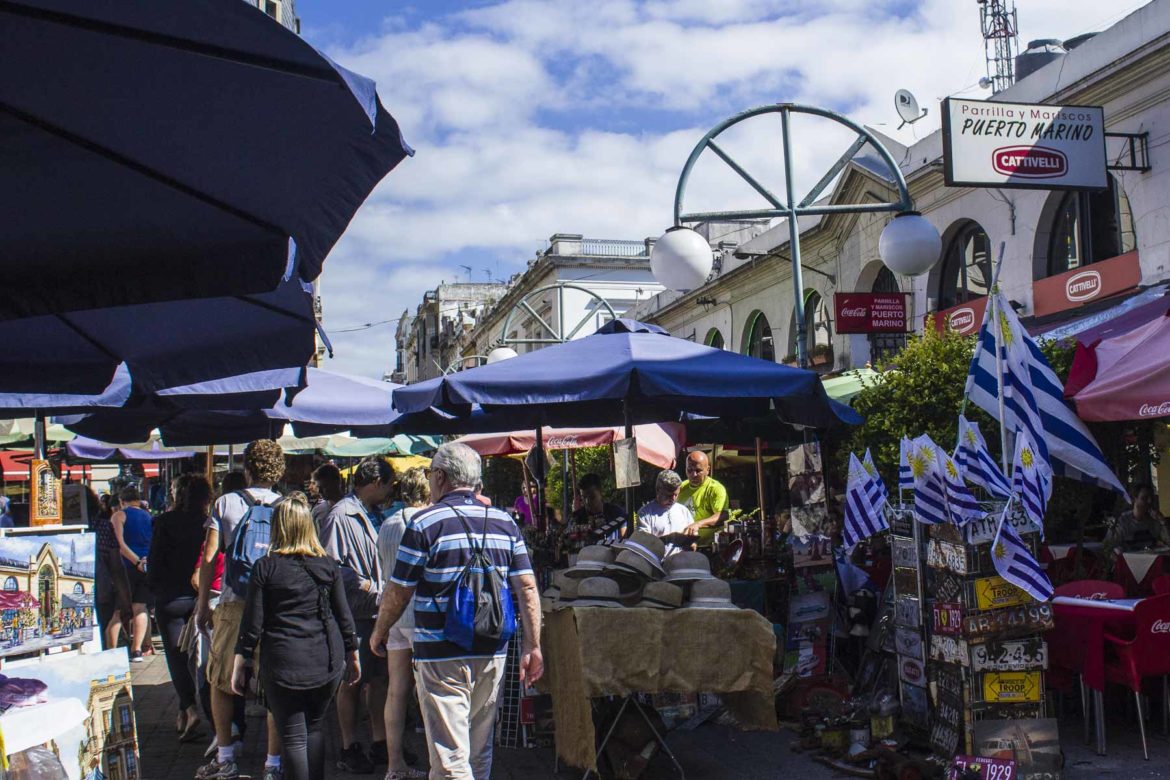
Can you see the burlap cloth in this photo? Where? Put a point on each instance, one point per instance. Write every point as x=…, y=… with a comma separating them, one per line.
x=592, y=651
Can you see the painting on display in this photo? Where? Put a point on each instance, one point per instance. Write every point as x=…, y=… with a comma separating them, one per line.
x=46, y=591
x=806, y=491
x=45, y=506
x=76, y=709
x=1034, y=744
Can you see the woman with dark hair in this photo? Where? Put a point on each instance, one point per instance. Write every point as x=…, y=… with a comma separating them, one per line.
x=174, y=549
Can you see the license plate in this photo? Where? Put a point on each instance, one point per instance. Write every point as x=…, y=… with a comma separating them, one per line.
x=947, y=617
x=908, y=642
x=946, y=555
x=946, y=586
x=949, y=649
x=1010, y=656
x=906, y=582
x=981, y=767
x=1011, y=687
x=944, y=739
x=983, y=530
x=907, y=612
x=911, y=670
x=1008, y=623
x=904, y=552
x=997, y=593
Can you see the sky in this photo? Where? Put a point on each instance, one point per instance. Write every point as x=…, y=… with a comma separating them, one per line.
x=535, y=117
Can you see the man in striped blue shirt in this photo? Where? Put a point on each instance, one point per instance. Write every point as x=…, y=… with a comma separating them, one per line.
x=458, y=689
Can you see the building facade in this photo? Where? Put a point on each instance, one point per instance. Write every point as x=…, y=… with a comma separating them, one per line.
x=428, y=343
x=283, y=11
x=1066, y=254
x=111, y=739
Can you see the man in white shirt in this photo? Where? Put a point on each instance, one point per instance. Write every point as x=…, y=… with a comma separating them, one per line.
x=665, y=515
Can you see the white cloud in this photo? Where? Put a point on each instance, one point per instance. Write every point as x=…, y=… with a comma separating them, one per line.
x=532, y=117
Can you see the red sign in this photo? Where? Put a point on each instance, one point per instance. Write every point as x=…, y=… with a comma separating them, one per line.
x=859, y=312
x=984, y=767
x=948, y=618
x=1081, y=285
x=1029, y=162
x=965, y=319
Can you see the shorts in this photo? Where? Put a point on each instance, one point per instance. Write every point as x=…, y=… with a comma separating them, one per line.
x=139, y=589
x=400, y=637
x=225, y=630
x=373, y=667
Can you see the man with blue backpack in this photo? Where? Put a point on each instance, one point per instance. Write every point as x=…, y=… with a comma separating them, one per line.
x=239, y=527
x=460, y=562
x=350, y=537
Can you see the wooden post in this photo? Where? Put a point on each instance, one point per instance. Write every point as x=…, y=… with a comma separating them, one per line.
x=209, y=469
x=760, y=495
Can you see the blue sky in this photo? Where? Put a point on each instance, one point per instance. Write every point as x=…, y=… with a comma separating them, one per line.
x=533, y=117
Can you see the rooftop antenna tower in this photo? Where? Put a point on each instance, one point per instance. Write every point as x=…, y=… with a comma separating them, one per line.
x=1001, y=42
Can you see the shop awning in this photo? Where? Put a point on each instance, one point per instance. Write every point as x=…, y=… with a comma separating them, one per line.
x=17, y=599
x=1124, y=376
x=1103, y=318
x=658, y=444
x=15, y=464
x=843, y=387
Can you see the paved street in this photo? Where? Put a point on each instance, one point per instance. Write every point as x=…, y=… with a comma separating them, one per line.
x=709, y=753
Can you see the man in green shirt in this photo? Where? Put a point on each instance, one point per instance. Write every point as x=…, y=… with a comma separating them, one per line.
x=705, y=496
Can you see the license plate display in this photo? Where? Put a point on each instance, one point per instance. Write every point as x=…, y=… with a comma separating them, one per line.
x=1010, y=656
x=949, y=649
x=946, y=555
x=947, y=617
x=997, y=593
x=1010, y=622
x=1011, y=687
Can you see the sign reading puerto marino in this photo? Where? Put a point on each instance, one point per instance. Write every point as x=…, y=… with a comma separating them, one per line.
x=1020, y=145
x=861, y=312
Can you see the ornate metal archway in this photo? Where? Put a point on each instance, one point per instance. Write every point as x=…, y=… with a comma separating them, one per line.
x=553, y=333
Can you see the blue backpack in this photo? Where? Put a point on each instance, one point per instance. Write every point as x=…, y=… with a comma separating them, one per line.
x=480, y=614
x=250, y=544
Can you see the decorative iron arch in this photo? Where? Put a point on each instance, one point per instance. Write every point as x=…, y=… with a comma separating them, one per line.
x=556, y=333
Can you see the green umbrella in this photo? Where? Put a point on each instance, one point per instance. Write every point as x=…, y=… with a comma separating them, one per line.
x=846, y=385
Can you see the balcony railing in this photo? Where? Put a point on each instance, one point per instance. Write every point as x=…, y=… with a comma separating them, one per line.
x=612, y=247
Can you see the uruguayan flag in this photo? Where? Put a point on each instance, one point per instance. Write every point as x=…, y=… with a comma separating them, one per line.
x=976, y=463
x=1015, y=563
x=1034, y=400
x=930, y=502
x=905, y=473
x=863, y=505
x=1030, y=482
x=871, y=467
x=961, y=503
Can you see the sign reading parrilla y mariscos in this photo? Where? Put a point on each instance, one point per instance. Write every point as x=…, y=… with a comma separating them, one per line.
x=992, y=144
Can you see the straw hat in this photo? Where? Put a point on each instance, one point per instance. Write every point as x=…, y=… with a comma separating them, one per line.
x=598, y=592
x=661, y=595
x=590, y=561
x=710, y=594
x=646, y=545
x=686, y=566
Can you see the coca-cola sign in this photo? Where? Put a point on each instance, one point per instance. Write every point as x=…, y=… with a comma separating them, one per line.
x=872, y=312
x=1155, y=410
x=1160, y=627
x=1029, y=162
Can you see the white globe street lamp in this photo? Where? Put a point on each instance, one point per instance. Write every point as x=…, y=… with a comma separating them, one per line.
x=681, y=260
x=909, y=245
x=500, y=353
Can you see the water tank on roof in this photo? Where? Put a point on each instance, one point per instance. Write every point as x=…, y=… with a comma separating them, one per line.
x=1038, y=54
x=1077, y=40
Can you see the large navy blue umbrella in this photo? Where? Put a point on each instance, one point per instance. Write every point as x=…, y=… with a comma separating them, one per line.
x=633, y=371
x=329, y=403
x=270, y=337
x=155, y=151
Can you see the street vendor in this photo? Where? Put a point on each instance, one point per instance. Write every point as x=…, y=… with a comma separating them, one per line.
x=705, y=496
x=665, y=515
x=1140, y=526
x=597, y=521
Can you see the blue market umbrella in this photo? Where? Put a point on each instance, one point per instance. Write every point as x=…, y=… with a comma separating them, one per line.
x=115, y=394
x=633, y=371
x=166, y=346
x=155, y=151
x=328, y=403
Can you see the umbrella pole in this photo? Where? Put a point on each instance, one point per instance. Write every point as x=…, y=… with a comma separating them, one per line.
x=39, y=436
x=566, y=495
x=209, y=468
x=760, y=494
x=541, y=520
x=573, y=464
x=629, y=491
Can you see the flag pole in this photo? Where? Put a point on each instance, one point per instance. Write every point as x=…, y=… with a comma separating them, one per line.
x=993, y=296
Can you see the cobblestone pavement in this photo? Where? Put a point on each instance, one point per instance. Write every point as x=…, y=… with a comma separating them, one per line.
x=708, y=753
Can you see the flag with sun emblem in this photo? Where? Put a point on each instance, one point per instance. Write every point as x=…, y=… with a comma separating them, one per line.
x=962, y=505
x=976, y=463
x=1030, y=481
x=1015, y=563
x=863, y=505
x=1033, y=399
x=930, y=502
x=871, y=467
x=905, y=473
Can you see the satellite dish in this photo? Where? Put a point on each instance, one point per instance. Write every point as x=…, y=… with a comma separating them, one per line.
x=907, y=107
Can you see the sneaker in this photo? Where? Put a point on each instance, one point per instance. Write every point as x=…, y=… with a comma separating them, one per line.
x=216, y=770
x=273, y=773
x=409, y=773
x=378, y=754
x=136, y=657
x=354, y=759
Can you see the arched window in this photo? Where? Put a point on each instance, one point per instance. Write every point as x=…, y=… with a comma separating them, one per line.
x=758, y=338
x=1089, y=227
x=10, y=584
x=78, y=589
x=818, y=327
x=966, y=267
x=714, y=338
x=883, y=346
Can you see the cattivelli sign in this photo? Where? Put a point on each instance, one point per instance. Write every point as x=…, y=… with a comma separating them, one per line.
x=1021, y=145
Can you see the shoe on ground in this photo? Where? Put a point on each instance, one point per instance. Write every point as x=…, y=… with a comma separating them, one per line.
x=354, y=760
x=378, y=754
x=216, y=770
x=410, y=773
x=273, y=773
x=136, y=657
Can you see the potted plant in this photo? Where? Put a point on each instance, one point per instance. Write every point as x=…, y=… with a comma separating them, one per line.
x=790, y=360
x=821, y=355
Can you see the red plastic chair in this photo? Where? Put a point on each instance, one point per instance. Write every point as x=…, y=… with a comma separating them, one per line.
x=1161, y=585
x=1091, y=589
x=1146, y=655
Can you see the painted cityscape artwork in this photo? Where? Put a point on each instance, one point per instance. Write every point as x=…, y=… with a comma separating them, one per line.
x=72, y=714
x=46, y=591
